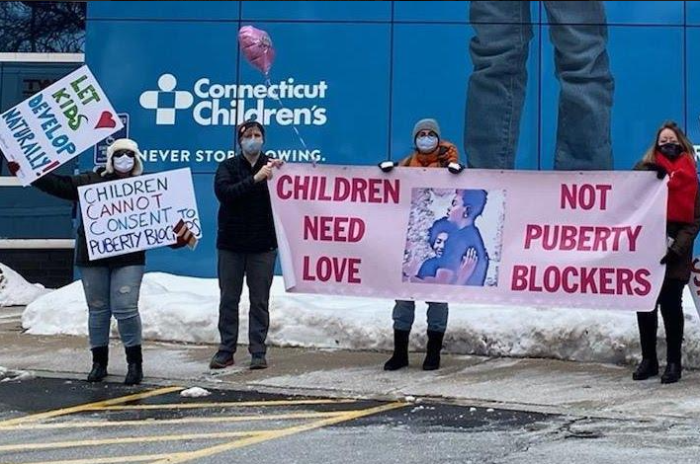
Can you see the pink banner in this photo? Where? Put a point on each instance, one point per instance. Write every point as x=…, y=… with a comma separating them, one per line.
x=694, y=284
x=551, y=239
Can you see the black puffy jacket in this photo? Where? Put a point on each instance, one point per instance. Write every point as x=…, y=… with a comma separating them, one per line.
x=245, y=211
x=66, y=187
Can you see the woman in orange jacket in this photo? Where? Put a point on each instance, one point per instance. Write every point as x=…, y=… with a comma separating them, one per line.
x=430, y=152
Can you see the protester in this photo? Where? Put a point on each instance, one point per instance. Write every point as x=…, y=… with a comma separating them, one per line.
x=672, y=154
x=430, y=152
x=111, y=285
x=246, y=243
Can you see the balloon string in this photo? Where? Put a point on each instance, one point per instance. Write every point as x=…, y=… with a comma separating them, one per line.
x=268, y=82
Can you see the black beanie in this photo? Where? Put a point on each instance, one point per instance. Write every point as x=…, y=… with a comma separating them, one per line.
x=247, y=125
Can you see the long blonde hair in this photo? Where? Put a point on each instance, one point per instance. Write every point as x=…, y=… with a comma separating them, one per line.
x=686, y=144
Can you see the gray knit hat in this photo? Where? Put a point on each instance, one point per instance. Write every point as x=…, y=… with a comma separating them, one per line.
x=426, y=124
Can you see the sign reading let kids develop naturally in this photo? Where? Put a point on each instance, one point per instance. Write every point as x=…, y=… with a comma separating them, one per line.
x=57, y=124
x=564, y=239
x=139, y=213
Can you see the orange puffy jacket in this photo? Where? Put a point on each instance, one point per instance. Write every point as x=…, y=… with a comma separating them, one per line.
x=444, y=154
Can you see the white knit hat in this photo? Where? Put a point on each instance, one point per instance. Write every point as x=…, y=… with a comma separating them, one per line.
x=124, y=144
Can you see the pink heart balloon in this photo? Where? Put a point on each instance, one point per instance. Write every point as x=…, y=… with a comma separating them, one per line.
x=257, y=48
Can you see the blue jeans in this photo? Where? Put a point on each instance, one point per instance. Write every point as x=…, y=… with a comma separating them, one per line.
x=496, y=93
x=113, y=292
x=405, y=313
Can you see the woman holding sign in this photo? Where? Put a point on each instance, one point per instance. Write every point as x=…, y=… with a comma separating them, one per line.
x=112, y=285
x=672, y=154
x=430, y=152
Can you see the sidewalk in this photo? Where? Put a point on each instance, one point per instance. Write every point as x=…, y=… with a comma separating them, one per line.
x=538, y=385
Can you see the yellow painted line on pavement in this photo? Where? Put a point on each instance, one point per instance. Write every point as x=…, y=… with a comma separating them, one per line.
x=275, y=434
x=126, y=440
x=116, y=460
x=240, y=404
x=187, y=420
x=85, y=407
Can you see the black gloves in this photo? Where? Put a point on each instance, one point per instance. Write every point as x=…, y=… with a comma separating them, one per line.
x=659, y=170
x=669, y=257
x=455, y=168
x=387, y=166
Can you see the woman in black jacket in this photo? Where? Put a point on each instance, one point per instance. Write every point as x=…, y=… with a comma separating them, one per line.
x=112, y=285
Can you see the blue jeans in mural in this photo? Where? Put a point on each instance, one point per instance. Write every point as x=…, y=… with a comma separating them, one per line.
x=496, y=93
x=405, y=312
x=113, y=292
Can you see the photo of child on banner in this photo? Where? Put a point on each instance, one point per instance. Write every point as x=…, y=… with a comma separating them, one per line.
x=454, y=237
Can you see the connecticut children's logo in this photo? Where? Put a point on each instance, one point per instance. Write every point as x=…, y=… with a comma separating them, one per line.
x=166, y=101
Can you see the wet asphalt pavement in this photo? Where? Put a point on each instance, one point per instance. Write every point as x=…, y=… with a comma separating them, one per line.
x=52, y=421
x=68, y=421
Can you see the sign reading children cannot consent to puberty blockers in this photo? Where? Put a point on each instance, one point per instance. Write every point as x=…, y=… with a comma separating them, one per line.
x=138, y=213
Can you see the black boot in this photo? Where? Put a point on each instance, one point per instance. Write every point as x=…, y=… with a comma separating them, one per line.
x=134, y=375
x=400, y=356
x=647, y=368
x=100, y=357
x=432, y=356
x=672, y=374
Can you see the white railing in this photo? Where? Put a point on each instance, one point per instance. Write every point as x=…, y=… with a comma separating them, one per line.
x=9, y=181
x=43, y=57
x=37, y=244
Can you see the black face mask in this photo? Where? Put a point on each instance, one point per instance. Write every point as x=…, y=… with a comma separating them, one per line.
x=670, y=150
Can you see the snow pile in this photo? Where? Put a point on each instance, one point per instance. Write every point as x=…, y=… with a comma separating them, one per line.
x=7, y=375
x=195, y=392
x=15, y=291
x=185, y=309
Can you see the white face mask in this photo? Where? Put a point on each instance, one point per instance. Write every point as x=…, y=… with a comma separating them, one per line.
x=123, y=164
x=427, y=143
x=251, y=146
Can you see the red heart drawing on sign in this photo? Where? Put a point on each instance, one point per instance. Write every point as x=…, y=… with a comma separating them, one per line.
x=106, y=121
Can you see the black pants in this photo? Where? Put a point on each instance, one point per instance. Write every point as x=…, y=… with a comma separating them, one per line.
x=258, y=270
x=670, y=301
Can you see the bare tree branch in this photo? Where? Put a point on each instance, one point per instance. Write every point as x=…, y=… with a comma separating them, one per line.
x=42, y=27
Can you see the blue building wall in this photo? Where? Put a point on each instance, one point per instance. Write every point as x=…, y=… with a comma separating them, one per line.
x=371, y=69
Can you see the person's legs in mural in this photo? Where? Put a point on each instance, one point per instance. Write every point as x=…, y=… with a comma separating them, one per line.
x=496, y=92
x=579, y=34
